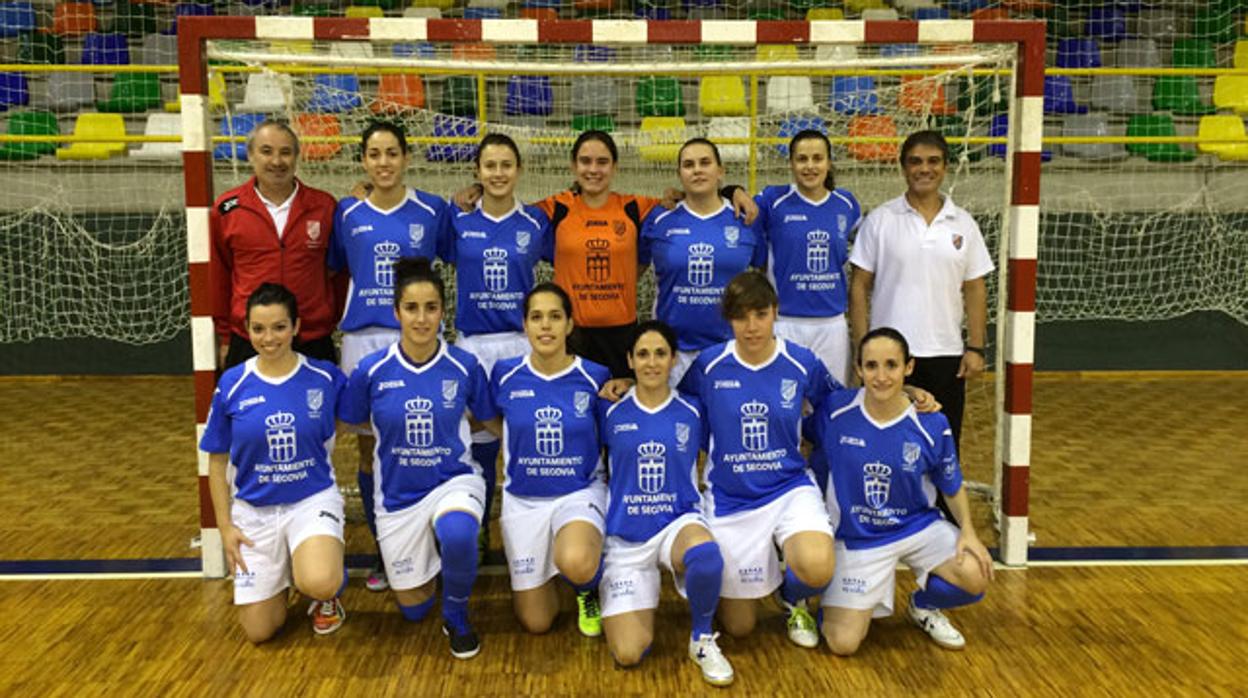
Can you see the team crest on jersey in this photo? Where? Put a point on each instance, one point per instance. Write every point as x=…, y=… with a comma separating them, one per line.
x=494, y=269
x=598, y=259
x=523, y=238
x=818, y=251
x=619, y=228
x=701, y=269
x=754, y=426
x=316, y=398
x=682, y=437
x=450, y=389
x=314, y=230
x=580, y=400
x=957, y=241
x=842, y=222
x=732, y=235
x=876, y=482
x=549, y=431
x=416, y=233
x=280, y=435
x=788, y=391
x=385, y=254
x=651, y=466
x=910, y=453
x=418, y=423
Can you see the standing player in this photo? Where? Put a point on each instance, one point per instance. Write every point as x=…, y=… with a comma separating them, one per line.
x=697, y=248
x=417, y=396
x=554, y=495
x=807, y=224
x=273, y=228
x=272, y=418
x=494, y=247
x=887, y=461
x=370, y=233
x=760, y=495
x=921, y=260
x=654, y=518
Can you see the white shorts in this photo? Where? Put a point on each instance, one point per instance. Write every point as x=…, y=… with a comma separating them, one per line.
x=358, y=344
x=867, y=578
x=530, y=524
x=749, y=540
x=827, y=337
x=489, y=350
x=276, y=531
x=684, y=359
x=630, y=571
x=407, y=539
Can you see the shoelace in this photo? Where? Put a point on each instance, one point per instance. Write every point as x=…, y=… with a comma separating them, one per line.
x=591, y=604
x=704, y=642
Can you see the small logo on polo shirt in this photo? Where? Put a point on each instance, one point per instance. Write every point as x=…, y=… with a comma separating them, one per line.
x=957, y=241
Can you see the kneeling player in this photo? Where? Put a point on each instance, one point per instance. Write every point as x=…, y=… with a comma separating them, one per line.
x=886, y=463
x=654, y=515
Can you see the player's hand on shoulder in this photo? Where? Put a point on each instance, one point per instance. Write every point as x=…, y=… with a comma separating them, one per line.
x=671, y=197
x=465, y=199
x=231, y=540
x=615, y=389
x=923, y=400
x=744, y=206
x=361, y=190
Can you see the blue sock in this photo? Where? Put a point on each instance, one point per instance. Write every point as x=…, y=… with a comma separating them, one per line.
x=418, y=612
x=365, y=481
x=457, y=534
x=794, y=590
x=486, y=456
x=591, y=585
x=942, y=594
x=704, y=574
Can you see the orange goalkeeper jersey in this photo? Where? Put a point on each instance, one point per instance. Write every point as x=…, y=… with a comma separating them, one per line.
x=595, y=255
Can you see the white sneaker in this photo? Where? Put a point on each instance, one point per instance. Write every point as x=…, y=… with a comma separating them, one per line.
x=716, y=669
x=803, y=631
x=937, y=627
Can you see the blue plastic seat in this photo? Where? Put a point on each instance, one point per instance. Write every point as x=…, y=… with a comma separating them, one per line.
x=1106, y=23
x=420, y=50
x=445, y=125
x=1078, y=53
x=585, y=53
x=1000, y=128
x=105, y=49
x=14, y=90
x=236, y=125
x=922, y=13
x=529, y=95
x=643, y=11
x=188, y=9
x=15, y=18
x=966, y=6
x=1059, y=96
x=335, y=93
x=796, y=124
x=483, y=13
x=854, y=95
x=556, y=4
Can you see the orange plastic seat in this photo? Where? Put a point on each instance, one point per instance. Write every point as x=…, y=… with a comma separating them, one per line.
x=873, y=127
x=989, y=13
x=473, y=52
x=921, y=95
x=398, y=93
x=73, y=18
x=323, y=125
x=541, y=13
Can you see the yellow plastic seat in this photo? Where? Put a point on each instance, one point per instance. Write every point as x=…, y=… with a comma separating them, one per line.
x=776, y=52
x=1225, y=127
x=216, y=94
x=1231, y=92
x=443, y=5
x=1241, y=53
x=95, y=126
x=722, y=95
x=857, y=6
x=817, y=13
x=364, y=11
x=662, y=137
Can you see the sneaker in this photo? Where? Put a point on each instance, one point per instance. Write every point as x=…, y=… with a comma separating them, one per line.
x=588, y=614
x=376, y=580
x=716, y=669
x=327, y=616
x=803, y=631
x=463, y=645
x=937, y=626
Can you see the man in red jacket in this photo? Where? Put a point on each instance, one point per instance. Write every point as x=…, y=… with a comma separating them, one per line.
x=272, y=228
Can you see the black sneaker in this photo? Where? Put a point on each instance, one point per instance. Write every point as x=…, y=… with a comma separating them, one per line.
x=465, y=645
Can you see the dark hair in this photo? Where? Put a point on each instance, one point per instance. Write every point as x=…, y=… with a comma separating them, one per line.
x=497, y=139
x=375, y=127
x=699, y=141
x=929, y=137
x=810, y=134
x=415, y=270
x=749, y=290
x=887, y=333
x=279, y=124
x=595, y=135
x=549, y=287
x=665, y=331
x=269, y=293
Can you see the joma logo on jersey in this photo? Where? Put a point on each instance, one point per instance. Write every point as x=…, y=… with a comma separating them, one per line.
x=853, y=441
x=677, y=231
x=386, y=385
x=361, y=229
x=598, y=259
x=596, y=223
x=800, y=217
x=258, y=400
x=477, y=234
x=626, y=426
x=517, y=394
x=720, y=385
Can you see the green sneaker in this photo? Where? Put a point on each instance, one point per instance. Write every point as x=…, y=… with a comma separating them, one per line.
x=803, y=631
x=588, y=614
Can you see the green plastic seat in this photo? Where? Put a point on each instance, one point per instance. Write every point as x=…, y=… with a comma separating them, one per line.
x=311, y=10
x=593, y=122
x=952, y=127
x=1156, y=125
x=1179, y=94
x=41, y=48
x=133, y=19
x=706, y=53
x=1216, y=25
x=1193, y=53
x=459, y=96
x=979, y=96
x=659, y=96
x=133, y=92
x=30, y=123
x=768, y=13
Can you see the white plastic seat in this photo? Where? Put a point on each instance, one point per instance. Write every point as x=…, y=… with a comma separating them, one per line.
x=723, y=127
x=160, y=125
x=266, y=92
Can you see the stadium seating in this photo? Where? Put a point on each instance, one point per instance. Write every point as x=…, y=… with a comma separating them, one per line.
x=398, y=93
x=824, y=13
x=188, y=9
x=1227, y=128
x=539, y=13
x=335, y=92
x=835, y=53
x=880, y=14
x=877, y=126
x=789, y=93
x=73, y=18
x=471, y=12
x=313, y=10
x=236, y=125
x=596, y=122
x=1159, y=24
x=659, y=96
x=1179, y=94
x=265, y=92
x=158, y=49
x=1241, y=53
x=318, y=126
x=459, y=96
x=722, y=95
x=1115, y=93
x=216, y=94
x=30, y=123
x=1137, y=53
x=105, y=49
x=796, y=124
x=41, y=48
x=1059, y=96
x=661, y=138
x=443, y=5
x=160, y=125
x=775, y=52
x=16, y=18
x=923, y=13
x=1107, y=23
x=1000, y=128
x=854, y=95
x=425, y=12
x=364, y=11
x=1078, y=53
x=447, y=126
x=529, y=95
x=1156, y=125
x=857, y=6
x=100, y=126
x=965, y=7
x=408, y=50
x=1090, y=125
x=724, y=127
x=133, y=92
x=1216, y=25
x=924, y=96
x=14, y=90
x=70, y=91
x=909, y=6
x=955, y=128
x=1231, y=92
x=1193, y=53
x=132, y=19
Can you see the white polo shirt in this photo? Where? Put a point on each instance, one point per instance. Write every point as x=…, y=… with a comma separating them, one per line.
x=919, y=270
x=280, y=213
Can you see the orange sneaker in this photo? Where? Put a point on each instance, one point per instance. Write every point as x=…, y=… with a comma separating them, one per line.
x=327, y=616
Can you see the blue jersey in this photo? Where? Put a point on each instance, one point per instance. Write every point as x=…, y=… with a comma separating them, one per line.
x=494, y=260
x=550, y=426
x=808, y=246
x=418, y=418
x=279, y=432
x=367, y=241
x=694, y=259
x=883, y=476
x=652, y=464
x=754, y=416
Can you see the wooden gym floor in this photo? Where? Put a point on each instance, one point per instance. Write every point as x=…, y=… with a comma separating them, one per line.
x=104, y=469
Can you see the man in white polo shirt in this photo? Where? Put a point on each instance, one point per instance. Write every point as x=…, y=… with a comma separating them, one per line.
x=921, y=260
